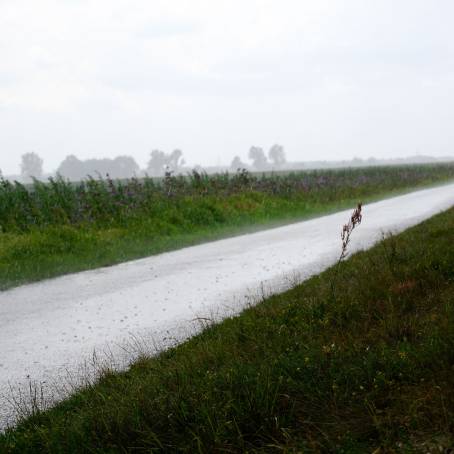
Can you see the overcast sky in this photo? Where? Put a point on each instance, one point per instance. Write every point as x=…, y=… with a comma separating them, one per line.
x=327, y=79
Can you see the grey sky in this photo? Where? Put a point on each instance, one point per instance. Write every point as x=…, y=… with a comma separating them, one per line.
x=327, y=79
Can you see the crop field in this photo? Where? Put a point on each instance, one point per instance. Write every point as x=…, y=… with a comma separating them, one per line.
x=48, y=229
x=357, y=359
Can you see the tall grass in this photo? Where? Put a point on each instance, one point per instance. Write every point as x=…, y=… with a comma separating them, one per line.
x=104, y=202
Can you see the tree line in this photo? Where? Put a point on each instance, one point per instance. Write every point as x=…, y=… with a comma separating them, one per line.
x=158, y=164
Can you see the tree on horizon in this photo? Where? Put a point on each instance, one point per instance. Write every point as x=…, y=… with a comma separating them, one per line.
x=276, y=154
x=237, y=164
x=258, y=158
x=161, y=162
x=120, y=167
x=31, y=166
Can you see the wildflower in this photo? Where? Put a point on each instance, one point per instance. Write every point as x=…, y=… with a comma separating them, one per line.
x=347, y=229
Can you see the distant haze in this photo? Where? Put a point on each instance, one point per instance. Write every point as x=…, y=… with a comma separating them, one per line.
x=327, y=79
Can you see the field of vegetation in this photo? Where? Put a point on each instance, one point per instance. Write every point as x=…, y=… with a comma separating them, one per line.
x=48, y=229
x=365, y=365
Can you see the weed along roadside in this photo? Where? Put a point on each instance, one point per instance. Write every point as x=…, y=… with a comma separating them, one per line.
x=347, y=230
x=371, y=373
x=55, y=228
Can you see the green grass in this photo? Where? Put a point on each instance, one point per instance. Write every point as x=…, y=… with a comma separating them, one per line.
x=371, y=366
x=58, y=228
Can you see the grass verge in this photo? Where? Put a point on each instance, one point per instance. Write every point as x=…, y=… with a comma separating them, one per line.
x=369, y=369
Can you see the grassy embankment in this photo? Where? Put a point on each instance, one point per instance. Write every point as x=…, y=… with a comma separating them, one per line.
x=369, y=366
x=57, y=228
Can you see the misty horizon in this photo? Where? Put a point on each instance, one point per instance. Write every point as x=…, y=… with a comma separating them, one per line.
x=161, y=164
